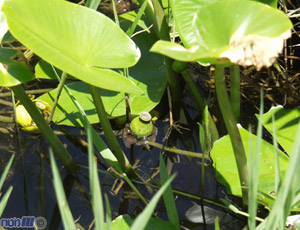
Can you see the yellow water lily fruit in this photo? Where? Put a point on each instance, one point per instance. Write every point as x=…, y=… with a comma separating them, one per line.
x=25, y=120
x=142, y=125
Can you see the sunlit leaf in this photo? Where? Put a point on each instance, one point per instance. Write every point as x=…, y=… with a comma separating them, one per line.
x=227, y=173
x=286, y=123
x=11, y=72
x=149, y=74
x=3, y=23
x=240, y=31
x=75, y=39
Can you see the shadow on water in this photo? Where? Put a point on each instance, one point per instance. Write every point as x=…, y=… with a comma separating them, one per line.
x=33, y=193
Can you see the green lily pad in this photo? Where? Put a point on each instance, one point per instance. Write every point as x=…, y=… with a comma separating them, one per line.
x=149, y=74
x=75, y=39
x=286, y=123
x=11, y=72
x=184, y=13
x=227, y=173
x=244, y=37
x=3, y=23
x=45, y=71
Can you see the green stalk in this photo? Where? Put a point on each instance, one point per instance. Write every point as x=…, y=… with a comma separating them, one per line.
x=149, y=11
x=59, y=89
x=209, y=124
x=45, y=129
x=233, y=131
x=235, y=93
x=108, y=132
x=178, y=151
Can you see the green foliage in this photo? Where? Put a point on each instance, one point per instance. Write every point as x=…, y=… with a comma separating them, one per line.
x=3, y=23
x=149, y=74
x=97, y=202
x=227, y=174
x=209, y=41
x=286, y=124
x=272, y=3
x=65, y=213
x=5, y=197
x=78, y=45
x=142, y=220
x=287, y=191
x=168, y=195
x=12, y=72
x=125, y=221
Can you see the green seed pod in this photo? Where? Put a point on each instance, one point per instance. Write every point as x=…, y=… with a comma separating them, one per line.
x=142, y=126
x=179, y=66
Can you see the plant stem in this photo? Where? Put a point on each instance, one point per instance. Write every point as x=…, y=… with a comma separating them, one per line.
x=59, y=89
x=178, y=151
x=149, y=11
x=235, y=93
x=233, y=131
x=47, y=132
x=203, y=105
x=108, y=132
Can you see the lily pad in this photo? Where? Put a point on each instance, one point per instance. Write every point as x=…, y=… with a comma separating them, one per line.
x=227, y=173
x=149, y=74
x=75, y=39
x=3, y=23
x=11, y=72
x=286, y=123
x=244, y=37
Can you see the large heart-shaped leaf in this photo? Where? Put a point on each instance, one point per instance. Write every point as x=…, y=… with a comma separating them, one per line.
x=149, y=74
x=227, y=173
x=11, y=72
x=3, y=23
x=286, y=123
x=240, y=31
x=77, y=40
x=184, y=12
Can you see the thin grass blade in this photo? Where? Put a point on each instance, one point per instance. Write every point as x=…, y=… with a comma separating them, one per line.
x=142, y=220
x=287, y=191
x=131, y=29
x=5, y=199
x=97, y=202
x=6, y=170
x=254, y=169
x=168, y=195
x=277, y=166
x=108, y=213
x=93, y=4
x=64, y=209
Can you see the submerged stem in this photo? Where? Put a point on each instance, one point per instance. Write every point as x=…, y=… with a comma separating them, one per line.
x=233, y=131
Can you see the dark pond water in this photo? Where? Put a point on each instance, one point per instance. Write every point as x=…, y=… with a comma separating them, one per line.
x=33, y=193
